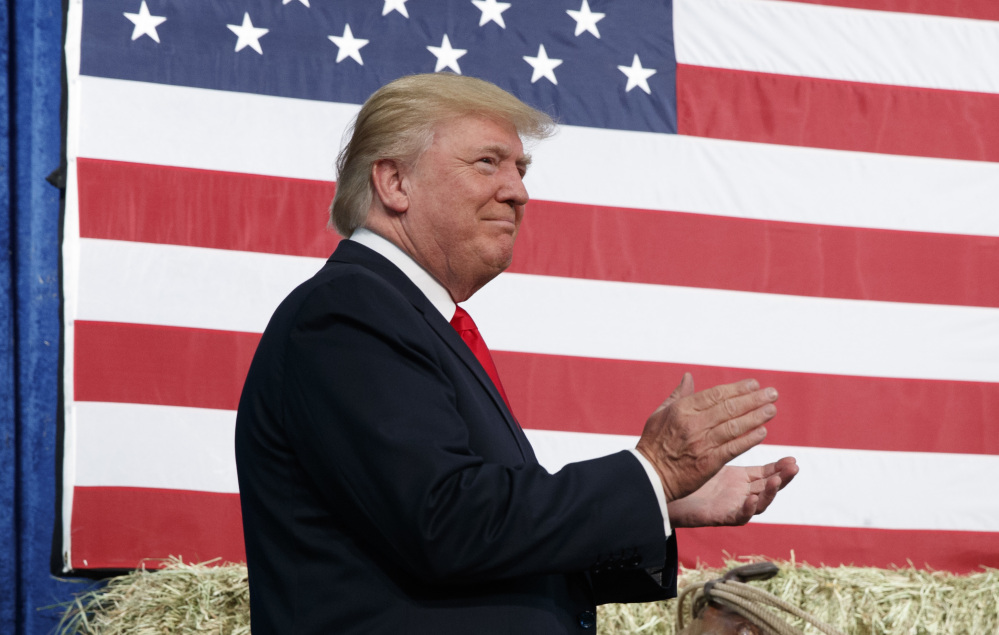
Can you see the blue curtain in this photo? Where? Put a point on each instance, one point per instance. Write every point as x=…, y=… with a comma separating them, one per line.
x=30, y=150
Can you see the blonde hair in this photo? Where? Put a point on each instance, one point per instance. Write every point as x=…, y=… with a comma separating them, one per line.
x=398, y=122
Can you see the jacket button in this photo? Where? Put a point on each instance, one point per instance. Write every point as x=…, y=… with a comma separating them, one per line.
x=587, y=619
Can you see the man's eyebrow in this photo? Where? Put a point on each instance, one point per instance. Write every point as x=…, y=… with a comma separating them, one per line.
x=505, y=151
x=524, y=162
x=496, y=148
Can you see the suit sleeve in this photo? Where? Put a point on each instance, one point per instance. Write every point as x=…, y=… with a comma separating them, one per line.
x=385, y=429
x=626, y=585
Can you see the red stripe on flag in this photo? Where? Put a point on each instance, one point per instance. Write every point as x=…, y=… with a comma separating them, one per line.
x=137, y=363
x=693, y=250
x=956, y=551
x=131, y=527
x=173, y=366
x=824, y=113
x=122, y=201
x=579, y=394
x=124, y=527
x=975, y=9
x=202, y=208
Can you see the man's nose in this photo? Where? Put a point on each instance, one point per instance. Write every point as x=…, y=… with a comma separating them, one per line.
x=513, y=190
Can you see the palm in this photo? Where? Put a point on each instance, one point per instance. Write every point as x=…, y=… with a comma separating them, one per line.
x=733, y=495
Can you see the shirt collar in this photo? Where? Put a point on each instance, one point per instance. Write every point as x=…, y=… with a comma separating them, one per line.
x=426, y=283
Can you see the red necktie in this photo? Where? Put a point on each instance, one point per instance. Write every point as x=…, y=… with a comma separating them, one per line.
x=462, y=322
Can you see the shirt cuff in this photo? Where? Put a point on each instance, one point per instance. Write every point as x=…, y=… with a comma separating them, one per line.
x=657, y=486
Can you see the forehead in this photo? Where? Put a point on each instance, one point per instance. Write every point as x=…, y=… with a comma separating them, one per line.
x=469, y=133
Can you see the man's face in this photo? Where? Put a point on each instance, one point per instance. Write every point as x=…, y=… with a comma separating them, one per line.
x=466, y=202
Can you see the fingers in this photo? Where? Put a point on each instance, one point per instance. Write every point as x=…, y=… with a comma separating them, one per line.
x=787, y=470
x=711, y=397
x=738, y=405
x=740, y=417
x=750, y=507
x=740, y=445
x=769, y=479
x=770, y=488
x=733, y=410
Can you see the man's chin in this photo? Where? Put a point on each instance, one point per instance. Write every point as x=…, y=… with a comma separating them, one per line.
x=504, y=260
x=499, y=254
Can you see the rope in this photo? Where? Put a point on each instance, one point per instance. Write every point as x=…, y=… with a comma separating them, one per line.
x=749, y=602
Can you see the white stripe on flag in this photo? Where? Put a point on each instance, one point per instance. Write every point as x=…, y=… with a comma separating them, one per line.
x=578, y=165
x=619, y=320
x=169, y=447
x=879, y=47
x=169, y=285
x=885, y=490
x=237, y=291
x=840, y=488
x=210, y=129
x=769, y=182
x=129, y=445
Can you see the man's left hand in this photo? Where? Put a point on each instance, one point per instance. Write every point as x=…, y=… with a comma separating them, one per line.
x=733, y=495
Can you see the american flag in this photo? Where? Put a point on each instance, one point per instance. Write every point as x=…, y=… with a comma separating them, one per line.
x=802, y=192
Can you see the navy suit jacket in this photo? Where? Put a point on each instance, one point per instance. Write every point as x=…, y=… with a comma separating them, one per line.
x=386, y=488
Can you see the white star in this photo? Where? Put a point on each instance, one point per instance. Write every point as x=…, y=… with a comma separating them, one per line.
x=348, y=45
x=585, y=19
x=543, y=65
x=637, y=75
x=447, y=57
x=395, y=5
x=145, y=24
x=249, y=35
x=491, y=11
x=305, y=2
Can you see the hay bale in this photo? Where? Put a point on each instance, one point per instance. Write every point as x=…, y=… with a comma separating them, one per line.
x=180, y=598
x=201, y=598
x=861, y=600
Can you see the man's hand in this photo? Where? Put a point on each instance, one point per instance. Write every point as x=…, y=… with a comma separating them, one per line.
x=692, y=435
x=733, y=496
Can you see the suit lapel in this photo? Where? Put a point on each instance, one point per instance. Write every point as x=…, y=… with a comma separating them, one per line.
x=355, y=253
x=456, y=344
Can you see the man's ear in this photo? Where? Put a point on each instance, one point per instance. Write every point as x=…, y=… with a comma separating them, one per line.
x=387, y=178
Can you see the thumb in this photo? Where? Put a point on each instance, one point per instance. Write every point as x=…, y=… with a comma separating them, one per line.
x=683, y=389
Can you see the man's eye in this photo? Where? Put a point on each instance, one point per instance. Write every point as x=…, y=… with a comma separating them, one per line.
x=488, y=160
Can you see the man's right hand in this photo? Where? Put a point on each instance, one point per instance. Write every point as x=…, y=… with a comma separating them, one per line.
x=691, y=436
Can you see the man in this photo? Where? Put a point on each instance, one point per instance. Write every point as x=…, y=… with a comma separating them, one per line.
x=386, y=486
